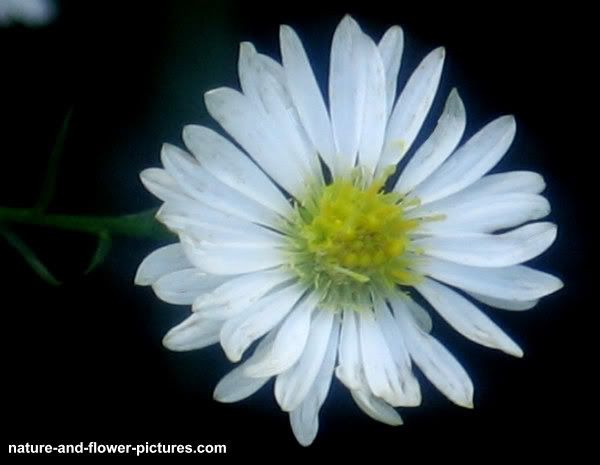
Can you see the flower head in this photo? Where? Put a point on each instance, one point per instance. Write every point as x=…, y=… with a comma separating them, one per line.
x=299, y=240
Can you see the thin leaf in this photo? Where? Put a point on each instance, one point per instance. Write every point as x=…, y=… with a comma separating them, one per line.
x=104, y=243
x=17, y=243
x=49, y=185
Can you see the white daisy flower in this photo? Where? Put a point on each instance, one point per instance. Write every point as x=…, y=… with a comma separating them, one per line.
x=288, y=235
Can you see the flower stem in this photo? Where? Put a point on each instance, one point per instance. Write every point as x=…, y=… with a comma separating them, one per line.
x=141, y=225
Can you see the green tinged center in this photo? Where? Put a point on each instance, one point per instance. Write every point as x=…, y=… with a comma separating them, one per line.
x=350, y=241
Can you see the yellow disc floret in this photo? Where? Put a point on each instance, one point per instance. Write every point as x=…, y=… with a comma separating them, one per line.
x=350, y=241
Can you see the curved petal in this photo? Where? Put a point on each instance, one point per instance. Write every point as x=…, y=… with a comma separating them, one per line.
x=440, y=367
x=505, y=304
x=471, y=161
x=293, y=385
x=162, y=261
x=491, y=250
x=289, y=343
x=306, y=95
x=193, y=333
x=232, y=167
x=242, y=330
x=467, y=319
x=349, y=366
x=305, y=419
x=376, y=408
x=390, y=47
x=510, y=283
x=184, y=286
x=438, y=147
x=411, y=109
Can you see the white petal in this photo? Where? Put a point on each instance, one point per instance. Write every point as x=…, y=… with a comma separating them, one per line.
x=226, y=259
x=183, y=286
x=234, y=296
x=349, y=366
x=467, y=319
x=512, y=283
x=471, y=161
x=242, y=330
x=376, y=408
x=381, y=373
x=483, y=214
x=491, y=250
x=263, y=81
x=412, y=108
x=196, y=182
x=409, y=390
x=492, y=185
x=162, y=261
x=438, y=147
x=419, y=314
x=235, y=385
x=232, y=167
x=306, y=95
x=390, y=47
x=375, y=117
x=194, y=332
x=251, y=128
x=292, y=386
x=289, y=343
x=305, y=419
x=505, y=304
x=440, y=367
x=347, y=90
x=162, y=185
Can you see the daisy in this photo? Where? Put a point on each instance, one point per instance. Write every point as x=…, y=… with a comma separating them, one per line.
x=292, y=235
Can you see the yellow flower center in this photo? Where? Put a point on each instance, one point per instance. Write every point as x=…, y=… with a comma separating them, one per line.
x=350, y=241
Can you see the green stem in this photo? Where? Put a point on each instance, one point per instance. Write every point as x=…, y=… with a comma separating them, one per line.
x=142, y=224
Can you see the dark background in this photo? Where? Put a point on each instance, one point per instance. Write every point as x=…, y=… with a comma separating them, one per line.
x=84, y=361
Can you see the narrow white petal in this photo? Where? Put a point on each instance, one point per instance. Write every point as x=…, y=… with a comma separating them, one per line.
x=184, y=286
x=349, y=366
x=263, y=81
x=306, y=95
x=194, y=332
x=232, y=167
x=235, y=295
x=420, y=315
x=491, y=250
x=408, y=389
x=162, y=185
x=242, y=330
x=199, y=184
x=482, y=214
x=251, y=128
x=305, y=419
x=438, y=147
x=511, y=283
x=292, y=386
x=471, y=161
x=162, y=261
x=381, y=373
x=467, y=319
x=376, y=408
x=492, y=185
x=375, y=117
x=235, y=385
x=438, y=365
x=347, y=91
x=227, y=260
x=411, y=109
x=505, y=304
x=289, y=343
x=390, y=47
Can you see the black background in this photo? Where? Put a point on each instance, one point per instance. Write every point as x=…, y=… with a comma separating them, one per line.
x=84, y=361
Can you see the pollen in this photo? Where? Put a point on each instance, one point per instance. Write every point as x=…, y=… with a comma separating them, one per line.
x=352, y=240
